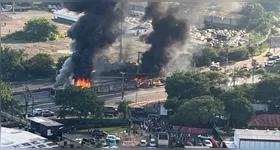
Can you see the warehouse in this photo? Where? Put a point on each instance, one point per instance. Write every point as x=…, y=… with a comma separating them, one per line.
x=246, y=138
x=14, y=138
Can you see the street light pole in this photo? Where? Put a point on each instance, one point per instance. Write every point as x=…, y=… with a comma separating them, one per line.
x=123, y=73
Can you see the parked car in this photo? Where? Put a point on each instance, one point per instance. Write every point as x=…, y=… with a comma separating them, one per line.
x=113, y=137
x=98, y=133
x=204, y=136
x=276, y=57
x=199, y=143
x=268, y=54
x=37, y=112
x=207, y=143
x=103, y=142
x=271, y=58
x=270, y=64
x=143, y=143
x=47, y=113
x=153, y=143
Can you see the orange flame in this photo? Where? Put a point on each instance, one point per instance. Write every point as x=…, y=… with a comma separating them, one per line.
x=137, y=63
x=156, y=82
x=142, y=81
x=84, y=83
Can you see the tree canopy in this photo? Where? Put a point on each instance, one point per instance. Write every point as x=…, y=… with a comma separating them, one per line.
x=123, y=108
x=6, y=95
x=199, y=111
x=40, y=29
x=187, y=85
x=40, y=66
x=82, y=100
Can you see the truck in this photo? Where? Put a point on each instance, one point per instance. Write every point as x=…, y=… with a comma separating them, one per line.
x=163, y=140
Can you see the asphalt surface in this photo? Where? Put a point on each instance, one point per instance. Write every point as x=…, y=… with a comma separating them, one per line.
x=43, y=101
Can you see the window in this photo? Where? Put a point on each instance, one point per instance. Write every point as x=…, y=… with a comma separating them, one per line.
x=163, y=136
x=41, y=146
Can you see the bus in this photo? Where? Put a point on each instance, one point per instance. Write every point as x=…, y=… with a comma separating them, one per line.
x=163, y=140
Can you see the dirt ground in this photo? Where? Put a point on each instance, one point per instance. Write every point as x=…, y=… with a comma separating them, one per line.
x=15, y=22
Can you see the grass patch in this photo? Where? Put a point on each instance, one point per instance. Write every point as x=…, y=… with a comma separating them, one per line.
x=107, y=129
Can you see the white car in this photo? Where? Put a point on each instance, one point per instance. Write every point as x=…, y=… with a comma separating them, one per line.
x=143, y=143
x=37, y=111
x=270, y=64
x=208, y=143
x=113, y=137
x=153, y=143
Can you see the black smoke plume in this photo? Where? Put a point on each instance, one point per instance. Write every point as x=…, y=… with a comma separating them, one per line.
x=97, y=29
x=168, y=35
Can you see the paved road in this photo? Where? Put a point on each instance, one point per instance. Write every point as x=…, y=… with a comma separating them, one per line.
x=42, y=100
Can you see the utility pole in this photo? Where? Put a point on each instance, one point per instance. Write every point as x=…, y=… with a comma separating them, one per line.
x=138, y=62
x=121, y=38
x=123, y=73
x=194, y=64
x=0, y=75
x=28, y=96
x=226, y=59
x=14, y=4
x=233, y=78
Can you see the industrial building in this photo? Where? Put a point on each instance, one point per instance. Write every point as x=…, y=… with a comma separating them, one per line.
x=220, y=19
x=15, y=138
x=265, y=121
x=246, y=138
x=46, y=127
x=137, y=8
x=66, y=15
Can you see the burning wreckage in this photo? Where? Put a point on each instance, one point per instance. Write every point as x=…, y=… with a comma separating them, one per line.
x=98, y=28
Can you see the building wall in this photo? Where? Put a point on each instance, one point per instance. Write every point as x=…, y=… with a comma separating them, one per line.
x=218, y=20
x=259, y=144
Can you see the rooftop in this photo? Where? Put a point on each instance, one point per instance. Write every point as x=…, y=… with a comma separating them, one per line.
x=14, y=138
x=269, y=135
x=45, y=121
x=222, y=14
x=265, y=120
x=68, y=13
x=142, y=4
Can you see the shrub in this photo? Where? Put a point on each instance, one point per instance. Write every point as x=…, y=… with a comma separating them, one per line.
x=239, y=54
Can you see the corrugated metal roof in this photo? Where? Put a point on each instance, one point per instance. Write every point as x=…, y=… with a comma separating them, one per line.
x=265, y=120
x=269, y=135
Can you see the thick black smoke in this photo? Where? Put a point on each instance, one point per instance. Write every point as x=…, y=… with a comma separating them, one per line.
x=169, y=33
x=97, y=29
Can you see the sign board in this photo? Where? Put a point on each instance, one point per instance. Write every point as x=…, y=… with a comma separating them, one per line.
x=163, y=111
x=260, y=107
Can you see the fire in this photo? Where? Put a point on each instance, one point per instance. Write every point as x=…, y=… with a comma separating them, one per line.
x=137, y=63
x=156, y=82
x=84, y=83
x=142, y=81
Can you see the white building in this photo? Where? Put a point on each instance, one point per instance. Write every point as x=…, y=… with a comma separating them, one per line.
x=138, y=30
x=246, y=138
x=64, y=14
x=137, y=8
x=14, y=138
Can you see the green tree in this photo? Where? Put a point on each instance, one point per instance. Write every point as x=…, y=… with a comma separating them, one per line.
x=40, y=29
x=8, y=103
x=235, y=100
x=82, y=100
x=11, y=63
x=123, y=108
x=271, y=6
x=40, y=66
x=187, y=85
x=208, y=55
x=60, y=62
x=173, y=104
x=199, y=111
x=268, y=91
